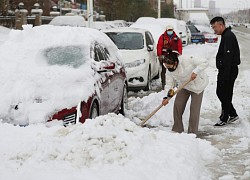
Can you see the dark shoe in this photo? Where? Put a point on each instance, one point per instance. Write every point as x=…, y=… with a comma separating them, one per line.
x=233, y=118
x=220, y=123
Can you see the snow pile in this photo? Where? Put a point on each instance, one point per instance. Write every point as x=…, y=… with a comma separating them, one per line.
x=105, y=143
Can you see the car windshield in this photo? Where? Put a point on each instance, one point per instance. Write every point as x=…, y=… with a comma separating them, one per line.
x=193, y=29
x=65, y=55
x=127, y=40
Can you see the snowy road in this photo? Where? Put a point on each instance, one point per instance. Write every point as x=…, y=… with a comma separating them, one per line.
x=235, y=159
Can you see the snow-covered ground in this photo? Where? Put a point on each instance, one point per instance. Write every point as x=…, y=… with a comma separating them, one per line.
x=114, y=147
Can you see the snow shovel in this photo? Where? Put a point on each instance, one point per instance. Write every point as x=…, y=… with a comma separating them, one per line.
x=159, y=107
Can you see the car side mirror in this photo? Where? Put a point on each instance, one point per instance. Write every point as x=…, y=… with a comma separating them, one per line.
x=150, y=47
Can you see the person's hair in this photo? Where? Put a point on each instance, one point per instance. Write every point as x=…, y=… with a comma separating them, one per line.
x=217, y=19
x=171, y=58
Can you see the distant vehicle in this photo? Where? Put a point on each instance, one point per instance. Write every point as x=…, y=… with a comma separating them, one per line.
x=196, y=35
x=186, y=33
x=179, y=28
x=74, y=21
x=210, y=36
x=3, y=34
x=118, y=23
x=67, y=75
x=138, y=50
x=151, y=25
x=101, y=25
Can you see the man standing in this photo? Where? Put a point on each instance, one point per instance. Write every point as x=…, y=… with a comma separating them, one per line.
x=168, y=41
x=227, y=61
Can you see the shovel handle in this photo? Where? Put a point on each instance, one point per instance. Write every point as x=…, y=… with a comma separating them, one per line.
x=159, y=107
x=151, y=114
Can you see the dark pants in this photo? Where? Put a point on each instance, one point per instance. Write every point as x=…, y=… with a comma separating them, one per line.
x=224, y=92
x=163, y=75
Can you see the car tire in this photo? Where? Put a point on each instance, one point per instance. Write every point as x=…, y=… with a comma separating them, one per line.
x=124, y=102
x=157, y=75
x=94, y=112
x=148, y=87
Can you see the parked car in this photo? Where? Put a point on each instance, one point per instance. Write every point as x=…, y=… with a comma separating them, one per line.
x=150, y=24
x=138, y=50
x=100, y=25
x=4, y=31
x=186, y=33
x=77, y=21
x=210, y=36
x=60, y=73
x=179, y=28
x=196, y=35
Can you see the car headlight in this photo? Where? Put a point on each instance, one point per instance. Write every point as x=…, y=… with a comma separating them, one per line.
x=135, y=63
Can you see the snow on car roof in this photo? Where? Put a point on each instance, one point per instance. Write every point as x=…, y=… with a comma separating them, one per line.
x=68, y=21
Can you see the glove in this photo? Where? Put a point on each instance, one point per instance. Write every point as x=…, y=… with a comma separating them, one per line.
x=170, y=93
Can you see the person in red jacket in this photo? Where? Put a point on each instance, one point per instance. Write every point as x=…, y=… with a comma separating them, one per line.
x=168, y=41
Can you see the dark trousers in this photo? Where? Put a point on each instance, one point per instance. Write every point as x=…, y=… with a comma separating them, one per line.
x=163, y=75
x=224, y=92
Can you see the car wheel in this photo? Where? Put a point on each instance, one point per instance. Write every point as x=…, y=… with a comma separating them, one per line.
x=94, y=111
x=157, y=75
x=124, y=103
x=148, y=87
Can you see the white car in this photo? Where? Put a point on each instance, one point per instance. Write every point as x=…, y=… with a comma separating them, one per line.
x=75, y=21
x=180, y=30
x=186, y=33
x=138, y=50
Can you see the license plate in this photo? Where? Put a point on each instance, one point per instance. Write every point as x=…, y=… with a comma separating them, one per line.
x=195, y=40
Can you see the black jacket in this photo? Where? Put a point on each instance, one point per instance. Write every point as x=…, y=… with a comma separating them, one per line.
x=228, y=54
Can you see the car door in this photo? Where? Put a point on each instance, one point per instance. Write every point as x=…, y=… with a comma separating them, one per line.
x=116, y=80
x=113, y=84
x=104, y=80
x=152, y=53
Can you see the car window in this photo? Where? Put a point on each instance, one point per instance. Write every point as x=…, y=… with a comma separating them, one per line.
x=65, y=55
x=127, y=40
x=149, y=39
x=193, y=29
x=101, y=53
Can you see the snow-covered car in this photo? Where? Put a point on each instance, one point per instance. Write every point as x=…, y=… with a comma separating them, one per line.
x=3, y=34
x=60, y=73
x=138, y=50
x=77, y=21
x=186, y=33
x=179, y=28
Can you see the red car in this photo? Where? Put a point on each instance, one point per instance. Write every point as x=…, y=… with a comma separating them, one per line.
x=60, y=73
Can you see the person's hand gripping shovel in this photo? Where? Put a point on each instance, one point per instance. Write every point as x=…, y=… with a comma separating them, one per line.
x=171, y=93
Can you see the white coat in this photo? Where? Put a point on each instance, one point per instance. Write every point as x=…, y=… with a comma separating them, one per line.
x=187, y=65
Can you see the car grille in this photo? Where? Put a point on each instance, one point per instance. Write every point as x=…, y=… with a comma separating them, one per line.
x=70, y=119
